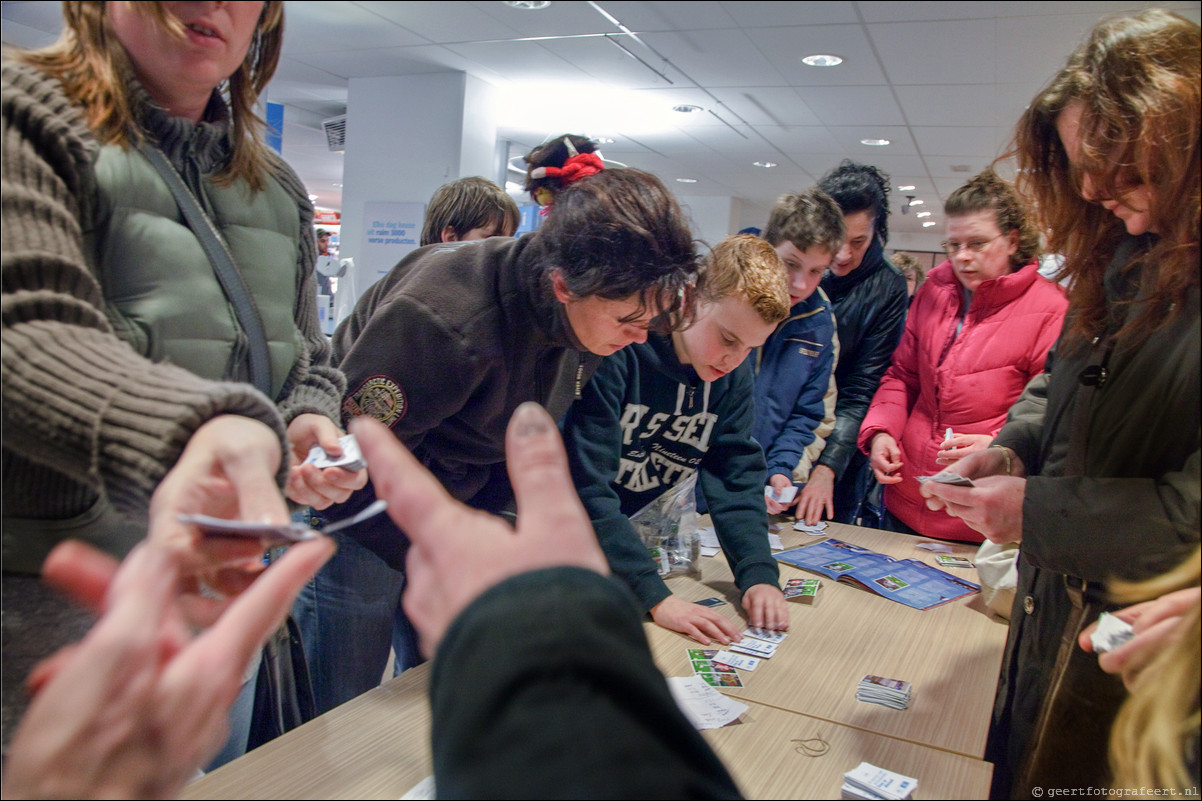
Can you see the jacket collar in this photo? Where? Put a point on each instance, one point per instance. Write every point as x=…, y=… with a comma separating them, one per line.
x=207, y=143
x=991, y=294
x=873, y=262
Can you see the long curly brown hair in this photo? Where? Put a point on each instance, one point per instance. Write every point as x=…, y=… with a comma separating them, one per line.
x=93, y=68
x=1137, y=80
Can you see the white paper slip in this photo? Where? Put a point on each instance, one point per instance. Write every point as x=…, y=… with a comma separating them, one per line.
x=708, y=551
x=708, y=537
x=351, y=458
x=754, y=647
x=739, y=661
x=765, y=635
x=785, y=495
x=880, y=782
x=422, y=791
x=705, y=707
x=774, y=542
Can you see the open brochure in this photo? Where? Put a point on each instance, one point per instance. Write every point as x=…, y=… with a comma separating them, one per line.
x=906, y=581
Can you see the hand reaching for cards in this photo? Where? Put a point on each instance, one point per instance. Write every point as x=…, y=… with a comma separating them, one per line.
x=141, y=703
x=817, y=496
x=457, y=553
x=766, y=607
x=699, y=622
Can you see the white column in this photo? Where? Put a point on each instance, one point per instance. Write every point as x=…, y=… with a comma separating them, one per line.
x=405, y=137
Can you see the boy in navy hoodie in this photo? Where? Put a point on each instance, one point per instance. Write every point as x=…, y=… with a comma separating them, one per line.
x=794, y=392
x=657, y=411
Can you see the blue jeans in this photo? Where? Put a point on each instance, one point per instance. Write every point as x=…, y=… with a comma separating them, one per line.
x=350, y=616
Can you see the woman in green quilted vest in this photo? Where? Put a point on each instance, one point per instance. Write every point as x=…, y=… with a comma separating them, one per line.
x=122, y=349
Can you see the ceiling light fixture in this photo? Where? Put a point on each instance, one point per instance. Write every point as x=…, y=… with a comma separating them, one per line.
x=687, y=108
x=528, y=5
x=603, y=140
x=906, y=188
x=928, y=223
x=875, y=142
x=923, y=214
x=917, y=202
x=765, y=164
x=822, y=60
x=687, y=180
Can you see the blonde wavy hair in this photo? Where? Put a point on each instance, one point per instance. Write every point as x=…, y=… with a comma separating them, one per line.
x=1160, y=721
x=749, y=267
x=94, y=70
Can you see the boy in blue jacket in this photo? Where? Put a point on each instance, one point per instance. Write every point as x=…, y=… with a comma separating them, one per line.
x=657, y=411
x=794, y=391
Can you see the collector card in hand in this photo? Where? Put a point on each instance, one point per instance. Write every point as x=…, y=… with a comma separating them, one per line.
x=351, y=459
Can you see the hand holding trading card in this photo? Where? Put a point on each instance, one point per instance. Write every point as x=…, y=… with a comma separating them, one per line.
x=780, y=494
x=1155, y=624
x=227, y=470
x=458, y=553
x=326, y=465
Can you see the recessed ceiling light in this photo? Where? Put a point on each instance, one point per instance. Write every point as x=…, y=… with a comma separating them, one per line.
x=917, y=202
x=764, y=164
x=905, y=188
x=875, y=142
x=687, y=180
x=928, y=223
x=528, y=5
x=338, y=185
x=687, y=108
x=312, y=198
x=923, y=214
x=603, y=140
x=822, y=60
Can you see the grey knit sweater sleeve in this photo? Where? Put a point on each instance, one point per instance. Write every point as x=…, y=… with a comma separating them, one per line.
x=79, y=405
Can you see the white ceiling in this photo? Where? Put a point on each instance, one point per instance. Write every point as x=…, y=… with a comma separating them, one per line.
x=944, y=81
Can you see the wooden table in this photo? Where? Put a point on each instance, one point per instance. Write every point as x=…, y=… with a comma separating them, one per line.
x=764, y=756
x=949, y=654
x=378, y=745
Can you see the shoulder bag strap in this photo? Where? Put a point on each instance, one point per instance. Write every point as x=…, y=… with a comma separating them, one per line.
x=230, y=278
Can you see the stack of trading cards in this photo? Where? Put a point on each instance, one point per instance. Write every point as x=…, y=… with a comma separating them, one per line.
x=715, y=674
x=761, y=643
x=892, y=693
x=869, y=782
x=802, y=590
x=816, y=530
x=953, y=560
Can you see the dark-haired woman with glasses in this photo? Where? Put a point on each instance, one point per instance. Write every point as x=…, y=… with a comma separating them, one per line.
x=979, y=328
